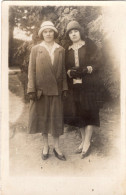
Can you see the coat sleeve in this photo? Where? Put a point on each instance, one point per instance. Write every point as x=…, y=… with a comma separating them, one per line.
x=65, y=86
x=95, y=56
x=32, y=72
x=96, y=60
x=67, y=64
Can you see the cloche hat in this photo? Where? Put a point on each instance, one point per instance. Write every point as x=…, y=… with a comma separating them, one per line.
x=73, y=25
x=45, y=25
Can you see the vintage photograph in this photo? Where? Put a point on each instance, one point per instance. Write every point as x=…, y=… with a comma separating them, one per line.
x=64, y=91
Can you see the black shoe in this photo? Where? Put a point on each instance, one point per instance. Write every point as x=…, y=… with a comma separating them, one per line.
x=85, y=154
x=60, y=157
x=45, y=156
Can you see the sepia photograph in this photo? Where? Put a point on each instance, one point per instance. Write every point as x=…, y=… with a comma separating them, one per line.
x=63, y=100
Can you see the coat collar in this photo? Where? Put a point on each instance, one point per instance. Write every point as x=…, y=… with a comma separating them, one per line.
x=55, y=46
x=51, y=53
x=77, y=46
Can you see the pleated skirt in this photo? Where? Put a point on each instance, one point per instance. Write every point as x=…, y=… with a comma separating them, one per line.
x=46, y=115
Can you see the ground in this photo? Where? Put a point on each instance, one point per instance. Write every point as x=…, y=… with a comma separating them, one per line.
x=25, y=149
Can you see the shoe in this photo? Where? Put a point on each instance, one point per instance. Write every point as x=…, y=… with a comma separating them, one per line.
x=78, y=151
x=60, y=157
x=45, y=156
x=85, y=154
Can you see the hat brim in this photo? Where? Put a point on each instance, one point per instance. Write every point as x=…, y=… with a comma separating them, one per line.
x=46, y=27
x=74, y=28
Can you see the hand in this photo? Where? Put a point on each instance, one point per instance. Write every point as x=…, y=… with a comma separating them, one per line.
x=64, y=94
x=32, y=96
x=90, y=69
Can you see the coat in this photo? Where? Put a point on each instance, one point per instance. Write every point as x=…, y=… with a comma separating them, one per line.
x=48, y=81
x=87, y=94
x=43, y=77
x=88, y=56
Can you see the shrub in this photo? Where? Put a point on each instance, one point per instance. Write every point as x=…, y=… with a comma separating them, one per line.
x=90, y=18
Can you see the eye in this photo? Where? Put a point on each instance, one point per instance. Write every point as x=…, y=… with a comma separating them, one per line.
x=70, y=32
x=45, y=31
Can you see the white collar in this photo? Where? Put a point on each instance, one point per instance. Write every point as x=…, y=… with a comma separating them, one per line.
x=55, y=45
x=77, y=46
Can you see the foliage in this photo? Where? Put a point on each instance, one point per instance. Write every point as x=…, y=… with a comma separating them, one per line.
x=29, y=20
x=111, y=71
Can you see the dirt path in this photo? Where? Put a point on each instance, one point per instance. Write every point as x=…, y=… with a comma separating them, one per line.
x=25, y=149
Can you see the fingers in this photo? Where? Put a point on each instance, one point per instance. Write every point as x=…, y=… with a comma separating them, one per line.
x=90, y=69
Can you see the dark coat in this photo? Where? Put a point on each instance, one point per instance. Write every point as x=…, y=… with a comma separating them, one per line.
x=43, y=77
x=90, y=88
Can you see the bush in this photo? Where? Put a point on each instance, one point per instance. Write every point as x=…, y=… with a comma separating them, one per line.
x=90, y=18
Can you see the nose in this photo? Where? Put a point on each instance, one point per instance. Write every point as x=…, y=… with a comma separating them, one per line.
x=73, y=33
x=48, y=33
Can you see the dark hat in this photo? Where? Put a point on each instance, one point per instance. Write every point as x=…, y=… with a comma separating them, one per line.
x=73, y=25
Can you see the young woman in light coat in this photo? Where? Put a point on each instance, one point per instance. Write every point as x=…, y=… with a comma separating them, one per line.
x=46, y=85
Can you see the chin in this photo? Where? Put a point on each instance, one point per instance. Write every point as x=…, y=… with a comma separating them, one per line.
x=50, y=39
x=74, y=41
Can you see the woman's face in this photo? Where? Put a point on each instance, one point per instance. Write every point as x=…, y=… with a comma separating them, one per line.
x=48, y=35
x=74, y=35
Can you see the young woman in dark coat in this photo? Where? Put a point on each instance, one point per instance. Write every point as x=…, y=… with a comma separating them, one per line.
x=82, y=65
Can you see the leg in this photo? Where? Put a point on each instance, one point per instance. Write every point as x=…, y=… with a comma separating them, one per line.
x=56, y=144
x=79, y=149
x=88, y=135
x=45, y=140
x=56, y=149
x=82, y=130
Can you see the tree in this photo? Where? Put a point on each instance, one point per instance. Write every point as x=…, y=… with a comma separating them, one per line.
x=29, y=19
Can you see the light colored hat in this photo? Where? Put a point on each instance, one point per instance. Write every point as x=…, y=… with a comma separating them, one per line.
x=73, y=25
x=45, y=25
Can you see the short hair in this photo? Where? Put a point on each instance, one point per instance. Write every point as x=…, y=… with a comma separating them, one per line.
x=82, y=35
x=55, y=35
